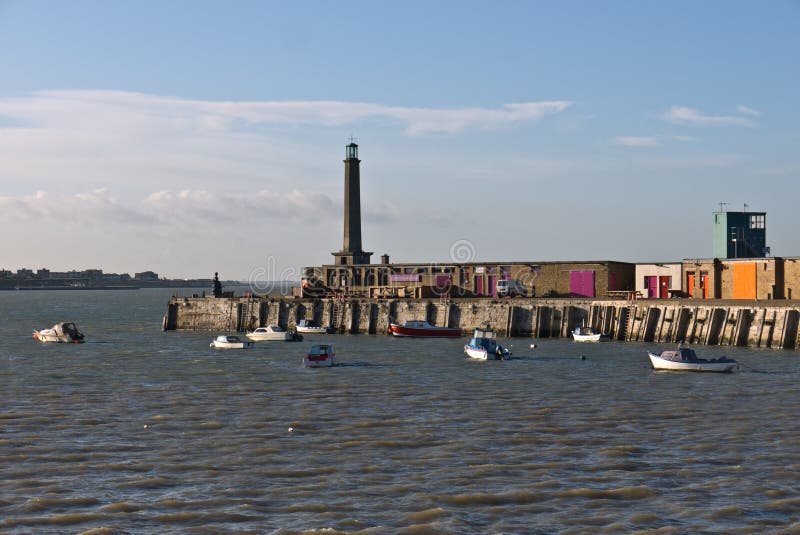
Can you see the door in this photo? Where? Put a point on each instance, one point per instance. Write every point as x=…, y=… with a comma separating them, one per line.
x=581, y=283
x=744, y=280
x=663, y=286
x=443, y=284
x=652, y=287
x=492, y=289
x=690, y=284
x=704, y=285
x=478, y=285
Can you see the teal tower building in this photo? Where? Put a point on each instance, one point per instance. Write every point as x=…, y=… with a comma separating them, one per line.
x=740, y=235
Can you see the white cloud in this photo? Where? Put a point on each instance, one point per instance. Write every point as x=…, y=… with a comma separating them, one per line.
x=191, y=210
x=690, y=116
x=747, y=111
x=636, y=141
x=114, y=109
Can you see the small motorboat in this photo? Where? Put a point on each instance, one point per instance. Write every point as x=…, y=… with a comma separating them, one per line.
x=308, y=327
x=227, y=341
x=423, y=329
x=587, y=334
x=273, y=333
x=65, y=332
x=484, y=346
x=685, y=359
x=320, y=356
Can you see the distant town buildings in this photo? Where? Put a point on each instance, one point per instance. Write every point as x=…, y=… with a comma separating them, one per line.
x=44, y=278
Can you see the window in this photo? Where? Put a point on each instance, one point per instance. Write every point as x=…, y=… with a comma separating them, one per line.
x=757, y=221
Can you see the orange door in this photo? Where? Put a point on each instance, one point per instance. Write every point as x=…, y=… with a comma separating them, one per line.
x=744, y=280
x=704, y=285
x=690, y=284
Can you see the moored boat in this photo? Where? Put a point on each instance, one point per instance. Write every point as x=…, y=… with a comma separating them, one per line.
x=320, y=356
x=423, y=329
x=65, y=332
x=226, y=341
x=273, y=333
x=483, y=346
x=308, y=327
x=587, y=334
x=685, y=359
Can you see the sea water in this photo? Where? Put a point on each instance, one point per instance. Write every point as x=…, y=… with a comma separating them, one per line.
x=144, y=431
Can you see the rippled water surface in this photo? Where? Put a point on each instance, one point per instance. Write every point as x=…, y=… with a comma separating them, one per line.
x=140, y=431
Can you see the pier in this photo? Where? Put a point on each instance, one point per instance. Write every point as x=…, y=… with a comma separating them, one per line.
x=771, y=325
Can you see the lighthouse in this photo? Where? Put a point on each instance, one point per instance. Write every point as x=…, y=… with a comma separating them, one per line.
x=352, y=253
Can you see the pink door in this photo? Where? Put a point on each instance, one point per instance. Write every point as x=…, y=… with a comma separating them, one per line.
x=652, y=287
x=492, y=289
x=478, y=284
x=443, y=284
x=581, y=283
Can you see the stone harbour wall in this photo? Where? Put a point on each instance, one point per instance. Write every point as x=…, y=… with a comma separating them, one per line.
x=771, y=324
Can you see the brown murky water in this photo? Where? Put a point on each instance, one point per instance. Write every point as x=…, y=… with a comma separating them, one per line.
x=141, y=431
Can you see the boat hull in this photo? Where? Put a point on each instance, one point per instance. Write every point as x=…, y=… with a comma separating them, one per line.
x=270, y=337
x=431, y=332
x=55, y=338
x=314, y=330
x=310, y=361
x=702, y=366
x=587, y=337
x=478, y=353
x=231, y=345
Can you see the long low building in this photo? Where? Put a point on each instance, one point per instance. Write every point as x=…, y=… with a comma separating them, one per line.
x=474, y=279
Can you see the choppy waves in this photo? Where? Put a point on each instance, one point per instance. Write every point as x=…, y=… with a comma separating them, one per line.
x=127, y=437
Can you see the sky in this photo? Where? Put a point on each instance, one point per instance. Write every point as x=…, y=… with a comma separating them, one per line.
x=188, y=137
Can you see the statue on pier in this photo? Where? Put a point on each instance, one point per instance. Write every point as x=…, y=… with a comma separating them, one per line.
x=217, y=288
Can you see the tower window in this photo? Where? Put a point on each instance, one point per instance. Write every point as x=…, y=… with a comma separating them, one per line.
x=756, y=221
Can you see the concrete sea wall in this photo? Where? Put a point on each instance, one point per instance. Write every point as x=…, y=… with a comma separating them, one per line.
x=771, y=324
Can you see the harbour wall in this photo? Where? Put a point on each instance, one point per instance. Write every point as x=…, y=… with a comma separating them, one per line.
x=772, y=324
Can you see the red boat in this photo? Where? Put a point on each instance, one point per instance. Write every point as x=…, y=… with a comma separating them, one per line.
x=423, y=329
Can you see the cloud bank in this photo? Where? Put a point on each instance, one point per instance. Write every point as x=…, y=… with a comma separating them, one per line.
x=691, y=116
x=79, y=107
x=636, y=141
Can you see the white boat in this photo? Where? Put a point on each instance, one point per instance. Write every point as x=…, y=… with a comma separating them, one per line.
x=308, y=327
x=586, y=334
x=685, y=359
x=227, y=341
x=484, y=346
x=65, y=332
x=320, y=356
x=273, y=333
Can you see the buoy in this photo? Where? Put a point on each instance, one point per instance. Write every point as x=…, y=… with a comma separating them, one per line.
x=291, y=429
x=533, y=346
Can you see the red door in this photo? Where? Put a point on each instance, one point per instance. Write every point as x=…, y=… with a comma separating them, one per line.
x=663, y=283
x=492, y=289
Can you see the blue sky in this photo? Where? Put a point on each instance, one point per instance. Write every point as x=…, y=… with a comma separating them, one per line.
x=160, y=132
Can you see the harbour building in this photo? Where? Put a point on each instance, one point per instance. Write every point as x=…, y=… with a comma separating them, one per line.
x=352, y=274
x=740, y=235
